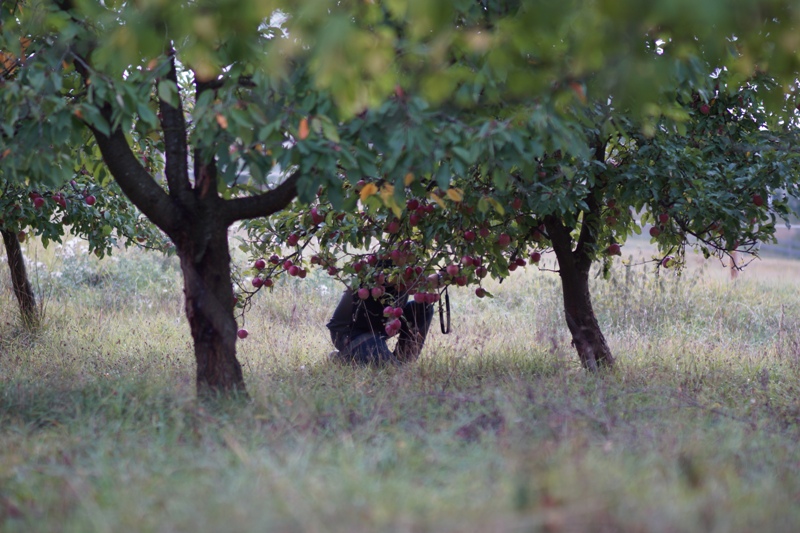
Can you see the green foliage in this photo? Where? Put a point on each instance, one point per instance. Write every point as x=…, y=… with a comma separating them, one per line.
x=100, y=215
x=718, y=179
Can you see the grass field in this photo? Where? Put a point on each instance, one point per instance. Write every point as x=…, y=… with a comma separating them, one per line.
x=495, y=429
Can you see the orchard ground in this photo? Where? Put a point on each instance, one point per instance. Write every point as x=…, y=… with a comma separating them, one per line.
x=495, y=429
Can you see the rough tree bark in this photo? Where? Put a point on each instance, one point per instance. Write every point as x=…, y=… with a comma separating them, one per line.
x=20, y=282
x=196, y=219
x=574, y=264
x=573, y=268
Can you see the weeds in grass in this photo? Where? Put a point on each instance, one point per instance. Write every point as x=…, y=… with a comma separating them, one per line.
x=495, y=429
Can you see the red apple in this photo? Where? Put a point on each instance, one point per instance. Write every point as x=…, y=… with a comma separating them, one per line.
x=452, y=270
x=414, y=219
x=21, y=236
x=316, y=216
x=372, y=259
x=512, y=267
x=257, y=282
x=757, y=200
x=466, y=261
x=287, y=264
x=59, y=199
x=363, y=293
x=705, y=109
x=654, y=231
x=535, y=257
x=663, y=218
x=476, y=261
x=358, y=266
x=419, y=297
x=260, y=264
x=268, y=282
x=480, y=292
x=242, y=333
x=667, y=261
x=481, y=272
x=516, y=204
x=332, y=270
x=469, y=235
x=376, y=292
x=461, y=281
x=503, y=240
x=293, y=270
x=293, y=239
x=611, y=203
x=90, y=200
x=412, y=204
x=483, y=232
x=614, y=249
x=274, y=259
x=38, y=202
x=393, y=227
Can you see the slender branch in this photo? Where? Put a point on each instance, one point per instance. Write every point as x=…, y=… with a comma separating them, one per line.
x=174, y=127
x=591, y=218
x=261, y=205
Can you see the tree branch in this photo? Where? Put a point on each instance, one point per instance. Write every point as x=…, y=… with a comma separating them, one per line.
x=261, y=205
x=137, y=184
x=134, y=180
x=174, y=128
x=591, y=218
x=561, y=240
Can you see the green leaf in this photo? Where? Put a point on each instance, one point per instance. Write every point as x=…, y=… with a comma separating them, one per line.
x=168, y=92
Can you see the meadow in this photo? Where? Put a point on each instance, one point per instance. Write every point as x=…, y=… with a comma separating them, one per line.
x=496, y=428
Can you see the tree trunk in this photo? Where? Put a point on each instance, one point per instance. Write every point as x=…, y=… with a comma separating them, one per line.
x=573, y=267
x=205, y=263
x=19, y=281
x=587, y=337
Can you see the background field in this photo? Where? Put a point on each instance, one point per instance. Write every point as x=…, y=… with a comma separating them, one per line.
x=496, y=428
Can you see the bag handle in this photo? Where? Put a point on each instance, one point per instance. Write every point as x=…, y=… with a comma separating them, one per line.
x=445, y=330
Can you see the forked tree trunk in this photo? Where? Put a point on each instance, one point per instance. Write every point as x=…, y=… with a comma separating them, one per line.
x=209, y=309
x=19, y=281
x=587, y=337
x=573, y=267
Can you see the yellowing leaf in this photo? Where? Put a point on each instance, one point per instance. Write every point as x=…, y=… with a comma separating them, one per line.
x=455, y=194
x=497, y=207
x=222, y=121
x=302, y=132
x=409, y=179
x=436, y=199
x=577, y=88
x=387, y=191
x=368, y=190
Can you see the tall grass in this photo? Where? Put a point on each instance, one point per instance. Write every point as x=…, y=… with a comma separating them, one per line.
x=495, y=429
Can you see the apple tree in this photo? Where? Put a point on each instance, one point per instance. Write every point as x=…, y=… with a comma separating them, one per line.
x=83, y=207
x=255, y=103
